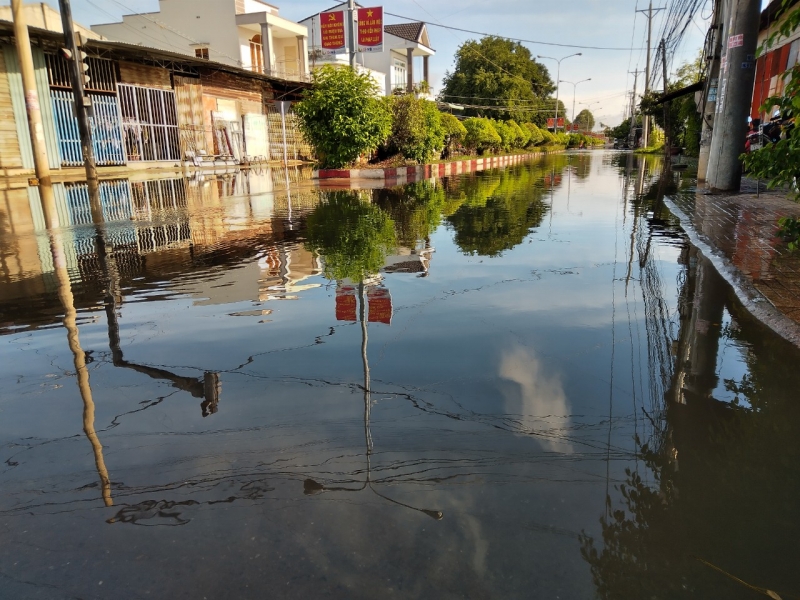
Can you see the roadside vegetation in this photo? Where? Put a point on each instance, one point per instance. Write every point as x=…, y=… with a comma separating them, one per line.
x=505, y=111
x=779, y=163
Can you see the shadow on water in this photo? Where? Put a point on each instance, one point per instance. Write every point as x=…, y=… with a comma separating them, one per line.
x=498, y=392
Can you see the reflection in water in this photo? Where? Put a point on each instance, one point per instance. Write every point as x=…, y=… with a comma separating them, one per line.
x=590, y=401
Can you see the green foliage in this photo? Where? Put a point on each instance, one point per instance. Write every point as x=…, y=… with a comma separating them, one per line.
x=789, y=229
x=342, y=117
x=779, y=163
x=499, y=69
x=585, y=120
x=523, y=134
x=506, y=133
x=481, y=135
x=548, y=137
x=352, y=234
x=536, y=134
x=416, y=210
x=417, y=130
x=454, y=131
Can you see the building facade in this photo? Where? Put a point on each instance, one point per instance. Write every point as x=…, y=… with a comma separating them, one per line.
x=772, y=65
x=249, y=34
x=403, y=64
x=152, y=108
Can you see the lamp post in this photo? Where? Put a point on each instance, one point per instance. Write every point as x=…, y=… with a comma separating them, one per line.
x=589, y=104
x=558, y=76
x=574, y=87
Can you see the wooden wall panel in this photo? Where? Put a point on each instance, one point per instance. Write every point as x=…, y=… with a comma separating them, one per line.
x=154, y=77
x=10, y=156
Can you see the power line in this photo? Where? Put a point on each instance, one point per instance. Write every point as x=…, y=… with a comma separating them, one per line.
x=513, y=39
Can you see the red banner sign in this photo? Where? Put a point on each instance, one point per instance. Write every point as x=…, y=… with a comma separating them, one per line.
x=346, y=303
x=332, y=31
x=551, y=123
x=561, y=121
x=380, y=305
x=370, y=29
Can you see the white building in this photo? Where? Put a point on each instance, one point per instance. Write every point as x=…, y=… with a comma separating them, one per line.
x=403, y=64
x=244, y=33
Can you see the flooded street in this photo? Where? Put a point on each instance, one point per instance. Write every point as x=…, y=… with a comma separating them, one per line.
x=519, y=383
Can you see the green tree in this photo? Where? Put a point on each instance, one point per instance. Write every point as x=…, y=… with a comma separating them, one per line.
x=481, y=135
x=342, y=116
x=585, y=120
x=536, y=134
x=352, y=234
x=496, y=72
x=417, y=130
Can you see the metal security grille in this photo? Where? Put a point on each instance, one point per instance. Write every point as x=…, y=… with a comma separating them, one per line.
x=106, y=132
x=149, y=123
x=285, y=139
x=115, y=198
x=102, y=74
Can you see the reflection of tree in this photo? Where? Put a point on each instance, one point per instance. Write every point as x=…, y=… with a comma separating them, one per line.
x=498, y=212
x=353, y=235
x=416, y=209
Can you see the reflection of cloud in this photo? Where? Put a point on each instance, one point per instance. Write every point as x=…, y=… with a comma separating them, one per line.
x=541, y=400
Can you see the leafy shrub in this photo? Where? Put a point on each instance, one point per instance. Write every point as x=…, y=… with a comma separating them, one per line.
x=417, y=131
x=789, y=229
x=523, y=134
x=536, y=134
x=481, y=135
x=342, y=116
x=454, y=131
x=506, y=133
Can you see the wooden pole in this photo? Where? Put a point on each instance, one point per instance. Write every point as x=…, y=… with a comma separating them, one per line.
x=40, y=159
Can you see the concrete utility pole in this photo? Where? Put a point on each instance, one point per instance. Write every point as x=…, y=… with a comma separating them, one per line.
x=734, y=95
x=646, y=119
x=667, y=137
x=40, y=159
x=632, y=133
x=82, y=103
x=709, y=102
x=351, y=15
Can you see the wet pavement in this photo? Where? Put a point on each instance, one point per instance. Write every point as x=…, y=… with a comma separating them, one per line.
x=517, y=383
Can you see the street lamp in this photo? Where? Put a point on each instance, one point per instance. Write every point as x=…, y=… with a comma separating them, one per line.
x=574, y=87
x=558, y=77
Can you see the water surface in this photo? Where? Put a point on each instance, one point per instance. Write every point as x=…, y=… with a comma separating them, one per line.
x=517, y=383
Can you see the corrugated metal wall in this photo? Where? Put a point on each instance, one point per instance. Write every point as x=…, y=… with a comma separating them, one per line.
x=20, y=112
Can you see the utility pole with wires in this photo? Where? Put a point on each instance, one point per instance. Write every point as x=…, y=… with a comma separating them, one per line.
x=77, y=68
x=707, y=110
x=734, y=95
x=632, y=135
x=351, y=16
x=646, y=121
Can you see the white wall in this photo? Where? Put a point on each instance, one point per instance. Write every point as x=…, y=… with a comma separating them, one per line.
x=179, y=25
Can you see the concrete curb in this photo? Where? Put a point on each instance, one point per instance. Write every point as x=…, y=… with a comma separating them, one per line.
x=402, y=175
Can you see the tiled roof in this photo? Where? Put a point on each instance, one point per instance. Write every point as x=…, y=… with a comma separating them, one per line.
x=406, y=31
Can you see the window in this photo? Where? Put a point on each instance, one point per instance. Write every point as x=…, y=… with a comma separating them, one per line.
x=399, y=77
x=256, y=54
x=201, y=53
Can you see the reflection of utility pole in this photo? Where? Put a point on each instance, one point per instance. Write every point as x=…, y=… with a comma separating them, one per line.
x=79, y=360
x=311, y=487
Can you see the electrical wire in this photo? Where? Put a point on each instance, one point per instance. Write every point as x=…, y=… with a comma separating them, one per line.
x=513, y=39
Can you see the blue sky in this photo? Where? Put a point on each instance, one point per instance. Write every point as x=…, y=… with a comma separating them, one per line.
x=582, y=22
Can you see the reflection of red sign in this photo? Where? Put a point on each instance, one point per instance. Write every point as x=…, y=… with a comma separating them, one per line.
x=370, y=29
x=332, y=31
x=380, y=305
x=554, y=180
x=346, y=303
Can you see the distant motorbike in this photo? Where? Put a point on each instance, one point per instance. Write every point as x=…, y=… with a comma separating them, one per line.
x=770, y=133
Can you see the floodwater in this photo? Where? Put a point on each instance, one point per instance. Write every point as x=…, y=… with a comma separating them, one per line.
x=511, y=384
